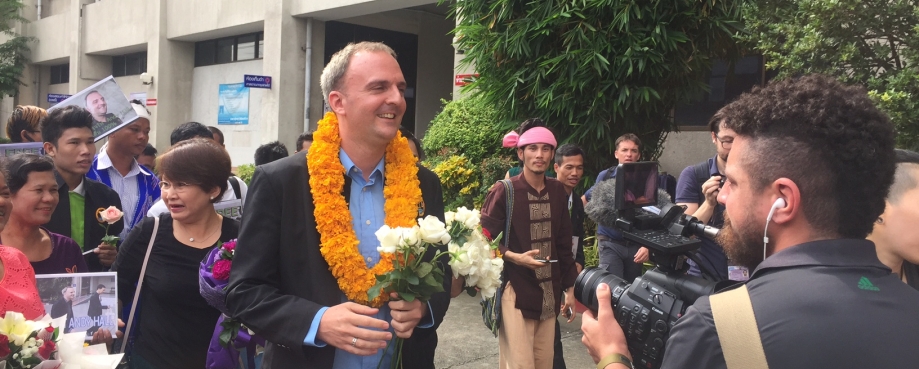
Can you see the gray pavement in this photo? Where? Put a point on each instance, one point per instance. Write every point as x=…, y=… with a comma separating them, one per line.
x=464, y=342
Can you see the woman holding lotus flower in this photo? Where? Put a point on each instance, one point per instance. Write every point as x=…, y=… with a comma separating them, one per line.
x=174, y=323
x=34, y=196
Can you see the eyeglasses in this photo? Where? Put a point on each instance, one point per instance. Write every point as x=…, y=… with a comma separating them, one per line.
x=178, y=187
x=725, y=143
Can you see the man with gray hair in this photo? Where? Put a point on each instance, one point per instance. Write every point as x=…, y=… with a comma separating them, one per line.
x=64, y=306
x=301, y=274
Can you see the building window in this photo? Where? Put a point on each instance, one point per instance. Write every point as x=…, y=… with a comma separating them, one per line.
x=60, y=73
x=229, y=49
x=129, y=64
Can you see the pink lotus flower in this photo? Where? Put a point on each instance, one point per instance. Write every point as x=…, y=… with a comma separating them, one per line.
x=221, y=270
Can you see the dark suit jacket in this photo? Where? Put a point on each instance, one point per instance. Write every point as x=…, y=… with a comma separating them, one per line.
x=97, y=196
x=280, y=280
x=61, y=307
x=95, y=305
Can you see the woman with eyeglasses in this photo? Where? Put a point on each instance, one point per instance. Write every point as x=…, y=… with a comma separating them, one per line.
x=174, y=323
x=33, y=193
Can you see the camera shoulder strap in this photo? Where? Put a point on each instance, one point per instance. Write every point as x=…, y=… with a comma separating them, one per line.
x=737, y=329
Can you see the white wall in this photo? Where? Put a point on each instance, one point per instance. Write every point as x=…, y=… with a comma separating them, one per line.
x=240, y=140
x=216, y=18
x=53, y=38
x=682, y=149
x=122, y=18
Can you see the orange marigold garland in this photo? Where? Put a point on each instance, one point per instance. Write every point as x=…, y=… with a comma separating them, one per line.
x=339, y=243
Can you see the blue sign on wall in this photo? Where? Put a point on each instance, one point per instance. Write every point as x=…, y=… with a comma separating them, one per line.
x=56, y=98
x=257, y=81
x=233, y=104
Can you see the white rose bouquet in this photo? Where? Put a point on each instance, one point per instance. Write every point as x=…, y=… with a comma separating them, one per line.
x=411, y=278
x=472, y=254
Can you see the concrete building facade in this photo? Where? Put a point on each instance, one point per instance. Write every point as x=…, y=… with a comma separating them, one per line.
x=190, y=47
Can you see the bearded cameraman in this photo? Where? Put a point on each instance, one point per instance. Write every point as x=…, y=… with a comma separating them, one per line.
x=806, y=179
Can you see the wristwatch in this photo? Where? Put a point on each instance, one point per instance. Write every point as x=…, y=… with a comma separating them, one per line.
x=613, y=359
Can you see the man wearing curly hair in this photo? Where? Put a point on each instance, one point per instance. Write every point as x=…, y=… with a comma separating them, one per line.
x=810, y=166
x=294, y=273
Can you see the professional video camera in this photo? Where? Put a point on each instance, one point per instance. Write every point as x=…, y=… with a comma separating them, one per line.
x=648, y=307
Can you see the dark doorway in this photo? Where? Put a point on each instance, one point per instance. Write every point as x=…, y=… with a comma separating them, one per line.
x=338, y=35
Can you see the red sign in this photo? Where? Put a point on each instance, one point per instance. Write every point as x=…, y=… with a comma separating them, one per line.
x=464, y=79
x=151, y=102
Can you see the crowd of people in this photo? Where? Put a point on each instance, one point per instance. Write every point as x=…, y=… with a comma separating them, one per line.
x=809, y=159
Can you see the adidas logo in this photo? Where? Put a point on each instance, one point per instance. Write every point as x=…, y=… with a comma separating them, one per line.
x=865, y=284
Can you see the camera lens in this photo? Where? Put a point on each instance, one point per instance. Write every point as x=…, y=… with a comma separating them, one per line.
x=585, y=286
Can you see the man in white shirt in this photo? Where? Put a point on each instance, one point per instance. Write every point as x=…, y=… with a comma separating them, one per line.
x=116, y=167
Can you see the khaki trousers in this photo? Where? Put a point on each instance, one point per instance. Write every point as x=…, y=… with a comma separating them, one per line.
x=523, y=343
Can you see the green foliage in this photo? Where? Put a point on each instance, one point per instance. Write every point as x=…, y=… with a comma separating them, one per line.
x=594, y=69
x=12, y=52
x=459, y=179
x=50, y=288
x=4, y=140
x=591, y=252
x=904, y=112
x=491, y=171
x=245, y=172
x=874, y=43
x=468, y=125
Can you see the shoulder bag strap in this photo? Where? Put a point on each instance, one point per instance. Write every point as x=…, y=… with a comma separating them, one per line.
x=737, y=330
x=140, y=283
x=509, y=192
x=235, y=184
x=700, y=171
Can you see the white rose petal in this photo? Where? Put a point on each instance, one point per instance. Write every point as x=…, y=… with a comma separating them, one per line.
x=433, y=231
x=410, y=236
x=461, y=214
x=389, y=239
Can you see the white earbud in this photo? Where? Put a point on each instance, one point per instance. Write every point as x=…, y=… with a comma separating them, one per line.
x=779, y=203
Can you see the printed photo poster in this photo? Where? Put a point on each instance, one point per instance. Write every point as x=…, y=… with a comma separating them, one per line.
x=233, y=104
x=10, y=149
x=110, y=108
x=90, y=300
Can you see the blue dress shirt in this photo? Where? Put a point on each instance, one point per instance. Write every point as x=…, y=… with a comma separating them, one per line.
x=367, y=216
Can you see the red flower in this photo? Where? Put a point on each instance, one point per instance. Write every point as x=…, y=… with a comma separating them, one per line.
x=45, y=333
x=4, y=346
x=229, y=245
x=487, y=234
x=47, y=349
x=221, y=270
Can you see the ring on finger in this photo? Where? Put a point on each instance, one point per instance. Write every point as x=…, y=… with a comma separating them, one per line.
x=354, y=342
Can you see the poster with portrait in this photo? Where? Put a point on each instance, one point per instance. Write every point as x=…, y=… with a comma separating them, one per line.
x=233, y=100
x=110, y=108
x=90, y=300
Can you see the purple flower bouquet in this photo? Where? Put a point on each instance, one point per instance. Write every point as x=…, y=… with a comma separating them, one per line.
x=229, y=334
